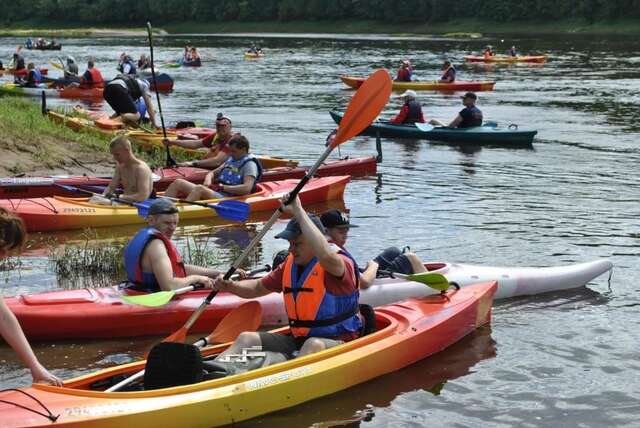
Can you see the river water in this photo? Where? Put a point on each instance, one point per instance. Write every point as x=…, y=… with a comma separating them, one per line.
x=565, y=359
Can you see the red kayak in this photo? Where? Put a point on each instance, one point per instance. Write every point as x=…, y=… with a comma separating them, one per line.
x=41, y=187
x=24, y=71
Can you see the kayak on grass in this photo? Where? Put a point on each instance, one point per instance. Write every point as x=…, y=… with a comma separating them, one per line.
x=355, y=82
x=61, y=213
x=507, y=59
x=489, y=133
x=70, y=92
x=101, y=313
x=149, y=140
x=404, y=334
x=45, y=186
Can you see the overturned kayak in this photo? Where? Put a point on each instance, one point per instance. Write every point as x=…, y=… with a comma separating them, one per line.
x=507, y=59
x=486, y=134
x=40, y=187
x=355, y=82
x=70, y=92
x=61, y=213
x=404, y=333
x=101, y=312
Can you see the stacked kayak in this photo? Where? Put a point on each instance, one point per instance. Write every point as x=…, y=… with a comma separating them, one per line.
x=40, y=187
x=487, y=134
x=507, y=59
x=68, y=92
x=148, y=139
x=355, y=82
x=405, y=333
x=101, y=312
x=62, y=213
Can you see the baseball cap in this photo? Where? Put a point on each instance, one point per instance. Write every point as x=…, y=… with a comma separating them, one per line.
x=162, y=206
x=292, y=230
x=335, y=218
x=470, y=95
x=408, y=93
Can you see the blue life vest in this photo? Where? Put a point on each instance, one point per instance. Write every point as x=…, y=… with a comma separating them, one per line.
x=141, y=106
x=37, y=76
x=471, y=117
x=231, y=174
x=147, y=281
x=132, y=69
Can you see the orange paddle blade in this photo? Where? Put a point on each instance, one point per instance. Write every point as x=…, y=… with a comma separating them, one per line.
x=179, y=336
x=246, y=317
x=365, y=106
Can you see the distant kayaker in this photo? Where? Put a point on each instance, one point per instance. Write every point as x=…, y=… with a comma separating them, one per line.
x=195, y=56
x=488, y=51
x=34, y=77
x=151, y=260
x=405, y=72
x=12, y=239
x=513, y=52
x=71, y=71
x=126, y=65
x=448, y=73
x=237, y=176
x=319, y=288
x=17, y=61
x=92, y=78
x=131, y=174
x=144, y=62
x=217, y=143
x=411, y=111
x=121, y=94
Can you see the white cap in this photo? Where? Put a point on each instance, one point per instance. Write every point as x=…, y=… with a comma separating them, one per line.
x=409, y=93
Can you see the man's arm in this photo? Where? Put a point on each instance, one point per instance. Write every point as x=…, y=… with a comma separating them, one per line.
x=200, y=270
x=369, y=275
x=241, y=189
x=457, y=121
x=247, y=289
x=401, y=116
x=114, y=184
x=150, y=109
x=156, y=255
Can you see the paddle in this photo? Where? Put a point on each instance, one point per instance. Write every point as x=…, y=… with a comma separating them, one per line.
x=246, y=317
x=437, y=281
x=161, y=298
x=365, y=106
x=425, y=127
x=143, y=207
x=170, y=160
x=229, y=209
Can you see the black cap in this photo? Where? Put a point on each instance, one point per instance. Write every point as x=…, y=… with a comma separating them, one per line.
x=335, y=218
x=471, y=95
x=162, y=206
x=292, y=230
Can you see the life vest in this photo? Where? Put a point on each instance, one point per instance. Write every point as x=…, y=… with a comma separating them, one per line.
x=311, y=309
x=445, y=74
x=96, y=79
x=415, y=108
x=37, y=76
x=474, y=118
x=141, y=106
x=404, y=75
x=231, y=173
x=132, y=69
x=147, y=281
x=132, y=85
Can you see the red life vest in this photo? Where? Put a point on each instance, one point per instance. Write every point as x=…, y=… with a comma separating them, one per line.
x=96, y=79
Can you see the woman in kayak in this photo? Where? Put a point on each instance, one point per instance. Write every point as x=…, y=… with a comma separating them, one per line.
x=405, y=72
x=448, y=73
x=488, y=52
x=12, y=238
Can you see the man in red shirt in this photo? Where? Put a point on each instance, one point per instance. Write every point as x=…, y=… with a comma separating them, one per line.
x=411, y=111
x=319, y=288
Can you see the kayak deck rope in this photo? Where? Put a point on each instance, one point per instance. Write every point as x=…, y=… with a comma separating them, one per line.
x=48, y=205
x=49, y=416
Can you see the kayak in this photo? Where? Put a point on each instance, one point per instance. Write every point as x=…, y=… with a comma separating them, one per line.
x=40, y=187
x=62, y=213
x=68, y=92
x=48, y=47
x=489, y=133
x=405, y=333
x=508, y=59
x=355, y=82
x=100, y=312
x=24, y=71
x=164, y=81
x=194, y=63
x=150, y=140
x=252, y=55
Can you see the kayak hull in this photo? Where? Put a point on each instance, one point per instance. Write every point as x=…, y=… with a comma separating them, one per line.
x=356, y=82
x=477, y=135
x=61, y=213
x=539, y=59
x=42, y=187
x=68, y=92
x=406, y=333
x=101, y=313
x=250, y=55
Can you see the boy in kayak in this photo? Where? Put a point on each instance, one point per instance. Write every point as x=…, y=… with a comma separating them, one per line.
x=121, y=94
x=151, y=260
x=131, y=174
x=411, y=111
x=470, y=116
x=12, y=238
x=319, y=287
x=217, y=143
x=237, y=176
x=448, y=73
x=405, y=72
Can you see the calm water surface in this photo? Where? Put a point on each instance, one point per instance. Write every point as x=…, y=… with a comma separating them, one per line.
x=567, y=359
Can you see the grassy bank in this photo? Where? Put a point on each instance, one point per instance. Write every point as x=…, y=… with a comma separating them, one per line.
x=463, y=26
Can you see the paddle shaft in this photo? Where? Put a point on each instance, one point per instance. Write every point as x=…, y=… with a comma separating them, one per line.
x=184, y=201
x=170, y=160
x=79, y=190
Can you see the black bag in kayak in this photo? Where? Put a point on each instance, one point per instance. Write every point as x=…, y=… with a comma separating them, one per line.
x=173, y=364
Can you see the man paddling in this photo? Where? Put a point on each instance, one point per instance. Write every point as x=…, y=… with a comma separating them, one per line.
x=151, y=260
x=319, y=288
x=218, y=145
x=237, y=176
x=131, y=174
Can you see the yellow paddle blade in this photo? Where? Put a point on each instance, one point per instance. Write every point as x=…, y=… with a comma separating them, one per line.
x=437, y=281
x=151, y=300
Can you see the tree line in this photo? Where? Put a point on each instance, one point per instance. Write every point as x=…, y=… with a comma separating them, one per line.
x=411, y=11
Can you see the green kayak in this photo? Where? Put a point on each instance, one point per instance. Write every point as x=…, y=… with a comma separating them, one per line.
x=488, y=134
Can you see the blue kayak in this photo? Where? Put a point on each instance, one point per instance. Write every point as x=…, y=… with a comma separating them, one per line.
x=489, y=133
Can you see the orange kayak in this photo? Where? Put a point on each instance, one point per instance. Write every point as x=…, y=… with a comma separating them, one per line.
x=405, y=333
x=508, y=59
x=61, y=213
